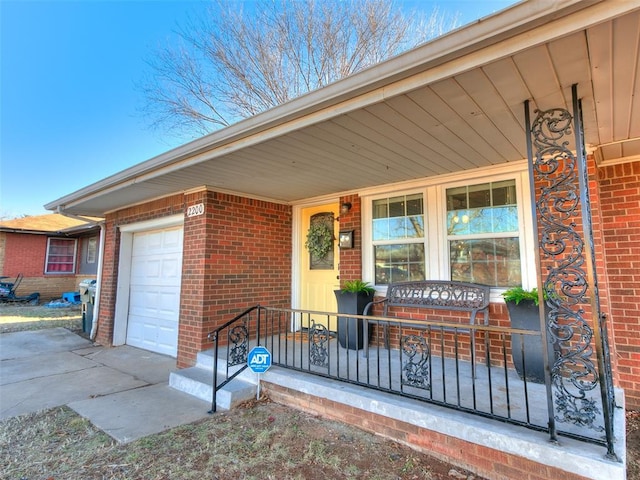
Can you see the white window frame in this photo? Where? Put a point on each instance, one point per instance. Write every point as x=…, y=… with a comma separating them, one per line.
x=75, y=256
x=425, y=241
x=92, y=250
x=436, y=242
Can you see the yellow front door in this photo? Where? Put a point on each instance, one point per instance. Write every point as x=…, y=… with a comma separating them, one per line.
x=319, y=267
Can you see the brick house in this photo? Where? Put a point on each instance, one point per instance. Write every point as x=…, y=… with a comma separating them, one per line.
x=196, y=235
x=53, y=252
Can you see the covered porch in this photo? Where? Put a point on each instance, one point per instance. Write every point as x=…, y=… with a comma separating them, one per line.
x=455, y=400
x=463, y=106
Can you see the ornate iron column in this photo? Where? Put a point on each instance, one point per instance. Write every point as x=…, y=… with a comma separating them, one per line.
x=579, y=382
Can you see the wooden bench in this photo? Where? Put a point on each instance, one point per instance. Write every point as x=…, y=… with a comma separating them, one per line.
x=467, y=297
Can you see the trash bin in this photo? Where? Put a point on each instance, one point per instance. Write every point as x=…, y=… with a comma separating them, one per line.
x=88, y=298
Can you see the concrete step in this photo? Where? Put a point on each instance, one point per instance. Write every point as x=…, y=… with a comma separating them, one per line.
x=198, y=381
x=204, y=360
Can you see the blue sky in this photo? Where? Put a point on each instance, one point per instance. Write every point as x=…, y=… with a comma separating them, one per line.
x=69, y=109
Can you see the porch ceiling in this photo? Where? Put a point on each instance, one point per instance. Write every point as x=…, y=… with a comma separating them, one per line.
x=455, y=104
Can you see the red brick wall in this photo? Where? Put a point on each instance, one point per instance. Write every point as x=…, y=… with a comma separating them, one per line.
x=236, y=255
x=157, y=209
x=351, y=258
x=620, y=197
x=3, y=243
x=489, y=463
x=26, y=254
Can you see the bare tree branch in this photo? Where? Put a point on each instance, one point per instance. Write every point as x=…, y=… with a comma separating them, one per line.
x=234, y=63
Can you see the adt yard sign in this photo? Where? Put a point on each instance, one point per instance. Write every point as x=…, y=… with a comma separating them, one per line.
x=259, y=359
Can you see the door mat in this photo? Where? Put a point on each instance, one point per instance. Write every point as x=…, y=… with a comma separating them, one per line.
x=298, y=336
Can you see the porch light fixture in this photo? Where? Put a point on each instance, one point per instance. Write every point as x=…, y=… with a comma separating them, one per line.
x=345, y=207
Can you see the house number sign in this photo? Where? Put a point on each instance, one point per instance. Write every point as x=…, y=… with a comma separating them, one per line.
x=195, y=210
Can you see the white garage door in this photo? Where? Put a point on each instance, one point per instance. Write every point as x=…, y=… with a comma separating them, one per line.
x=154, y=299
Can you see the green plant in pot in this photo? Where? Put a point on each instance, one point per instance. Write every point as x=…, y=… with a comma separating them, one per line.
x=518, y=294
x=352, y=298
x=524, y=313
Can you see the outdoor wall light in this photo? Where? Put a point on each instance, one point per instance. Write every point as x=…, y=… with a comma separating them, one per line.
x=345, y=207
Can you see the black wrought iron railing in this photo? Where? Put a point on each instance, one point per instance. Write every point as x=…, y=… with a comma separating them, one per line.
x=566, y=270
x=427, y=361
x=235, y=335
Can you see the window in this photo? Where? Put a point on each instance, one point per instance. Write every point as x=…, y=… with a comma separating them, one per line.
x=92, y=250
x=470, y=229
x=483, y=234
x=61, y=255
x=398, y=234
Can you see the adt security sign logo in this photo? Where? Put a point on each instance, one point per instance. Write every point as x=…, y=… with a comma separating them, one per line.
x=259, y=359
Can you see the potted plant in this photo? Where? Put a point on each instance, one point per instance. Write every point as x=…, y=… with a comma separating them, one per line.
x=524, y=313
x=352, y=298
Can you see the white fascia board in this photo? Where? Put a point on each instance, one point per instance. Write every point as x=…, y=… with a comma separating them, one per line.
x=488, y=39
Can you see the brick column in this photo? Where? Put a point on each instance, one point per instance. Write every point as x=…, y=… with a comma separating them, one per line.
x=236, y=255
x=351, y=258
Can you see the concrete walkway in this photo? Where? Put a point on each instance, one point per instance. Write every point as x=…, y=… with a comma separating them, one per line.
x=124, y=391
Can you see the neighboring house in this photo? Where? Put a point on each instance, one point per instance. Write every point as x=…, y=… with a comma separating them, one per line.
x=53, y=252
x=413, y=148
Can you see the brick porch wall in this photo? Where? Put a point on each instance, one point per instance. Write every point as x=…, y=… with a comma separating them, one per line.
x=489, y=463
x=236, y=255
x=620, y=195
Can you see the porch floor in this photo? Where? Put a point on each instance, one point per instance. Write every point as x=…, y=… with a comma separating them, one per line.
x=493, y=392
x=576, y=457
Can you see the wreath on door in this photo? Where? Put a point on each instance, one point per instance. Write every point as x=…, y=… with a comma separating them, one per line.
x=319, y=240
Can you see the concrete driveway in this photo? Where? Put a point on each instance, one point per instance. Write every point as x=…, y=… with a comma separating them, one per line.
x=124, y=391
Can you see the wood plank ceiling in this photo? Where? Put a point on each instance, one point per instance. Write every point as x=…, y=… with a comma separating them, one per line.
x=470, y=120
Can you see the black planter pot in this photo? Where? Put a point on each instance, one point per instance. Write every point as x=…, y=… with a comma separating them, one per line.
x=526, y=316
x=351, y=330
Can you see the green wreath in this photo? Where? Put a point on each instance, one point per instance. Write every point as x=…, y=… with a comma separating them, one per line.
x=319, y=240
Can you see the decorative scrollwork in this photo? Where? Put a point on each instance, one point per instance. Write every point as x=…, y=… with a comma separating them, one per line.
x=239, y=345
x=415, y=370
x=579, y=411
x=318, y=345
x=573, y=372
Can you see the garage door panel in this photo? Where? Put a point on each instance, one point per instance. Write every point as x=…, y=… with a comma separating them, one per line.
x=154, y=292
x=157, y=270
x=166, y=340
x=161, y=302
x=152, y=334
x=159, y=241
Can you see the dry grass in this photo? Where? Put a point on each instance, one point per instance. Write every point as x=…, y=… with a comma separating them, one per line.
x=258, y=441
x=633, y=445
x=15, y=317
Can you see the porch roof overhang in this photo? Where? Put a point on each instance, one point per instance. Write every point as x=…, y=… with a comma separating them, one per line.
x=453, y=104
